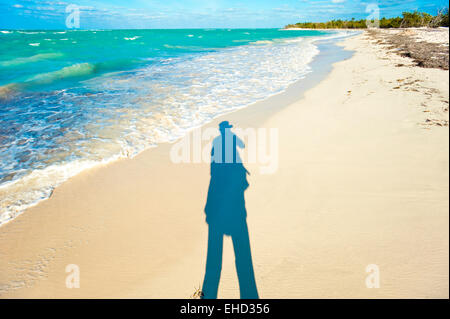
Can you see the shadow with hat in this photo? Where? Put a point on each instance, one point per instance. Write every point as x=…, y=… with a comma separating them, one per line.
x=226, y=215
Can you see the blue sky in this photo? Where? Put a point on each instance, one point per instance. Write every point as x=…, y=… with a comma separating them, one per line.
x=115, y=14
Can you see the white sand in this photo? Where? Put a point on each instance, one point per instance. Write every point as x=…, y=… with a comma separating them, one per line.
x=362, y=179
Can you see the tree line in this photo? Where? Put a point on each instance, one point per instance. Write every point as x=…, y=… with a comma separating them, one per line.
x=407, y=20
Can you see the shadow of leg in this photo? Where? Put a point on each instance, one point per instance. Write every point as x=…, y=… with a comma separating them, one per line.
x=244, y=264
x=213, y=263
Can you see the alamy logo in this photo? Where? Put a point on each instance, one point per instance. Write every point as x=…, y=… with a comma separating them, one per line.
x=256, y=146
x=73, y=19
x=373, y=279
x=73, y=278
x=373, y=19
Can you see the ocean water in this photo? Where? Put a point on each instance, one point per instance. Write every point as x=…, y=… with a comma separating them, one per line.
x=70, y=100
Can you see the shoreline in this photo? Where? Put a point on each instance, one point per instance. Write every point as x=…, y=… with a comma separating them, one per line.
x=77, y=167
x=338, y=202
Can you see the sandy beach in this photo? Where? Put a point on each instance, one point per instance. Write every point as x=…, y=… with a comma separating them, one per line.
x=362, y=180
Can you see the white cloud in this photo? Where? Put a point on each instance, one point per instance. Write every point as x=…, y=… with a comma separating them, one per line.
x=45, y=8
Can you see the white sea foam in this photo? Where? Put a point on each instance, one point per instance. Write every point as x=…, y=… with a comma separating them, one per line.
x=31, y=59
x=133, y=38
x=78, y=69
x=262, y=42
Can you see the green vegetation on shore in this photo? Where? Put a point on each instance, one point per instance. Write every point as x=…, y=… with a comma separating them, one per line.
x=408, y=20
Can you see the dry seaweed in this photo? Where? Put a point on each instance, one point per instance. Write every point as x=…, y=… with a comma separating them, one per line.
x=424, y=54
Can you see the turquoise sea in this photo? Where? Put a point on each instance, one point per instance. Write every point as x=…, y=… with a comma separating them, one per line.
x=72, y=99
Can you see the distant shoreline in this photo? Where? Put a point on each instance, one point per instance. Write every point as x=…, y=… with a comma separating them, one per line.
x=362, y=29
x=407, y=20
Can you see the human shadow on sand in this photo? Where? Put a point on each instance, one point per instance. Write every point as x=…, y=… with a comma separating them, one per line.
x=226, y=215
